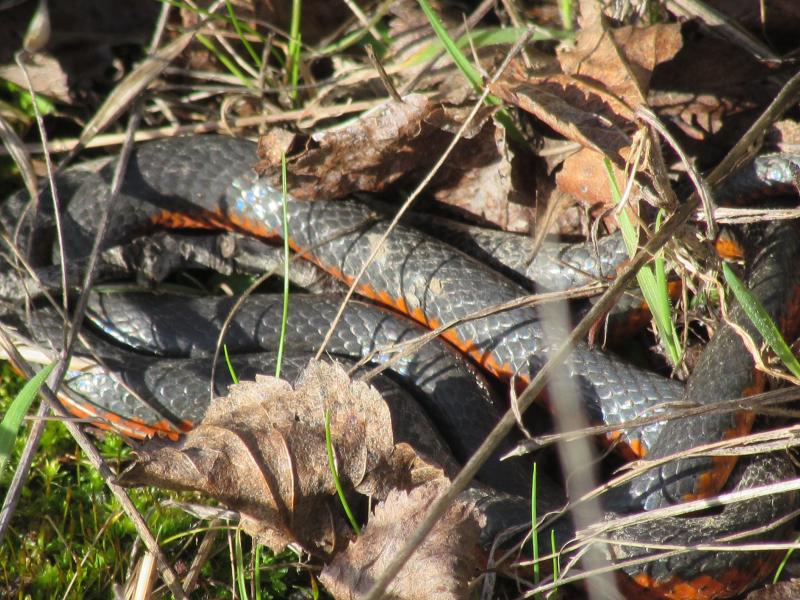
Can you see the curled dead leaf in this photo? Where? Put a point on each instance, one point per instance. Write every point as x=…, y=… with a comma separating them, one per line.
x=397, y=143
x=583, y=113
x=372, y=152
x=593, y=100
x=585, y=177
x=441, y=566
x=621, y=59
x=261, y=451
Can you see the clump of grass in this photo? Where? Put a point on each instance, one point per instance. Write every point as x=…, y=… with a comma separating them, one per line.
x=69, y=533
x=652, y=281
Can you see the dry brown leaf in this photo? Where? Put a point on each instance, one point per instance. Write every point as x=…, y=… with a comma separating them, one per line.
x=371, y=153
x=584, y=176
x=261, y=451
x=604, y=79
x=593, y=100
x=488, y=179
x=583, y=113
x=440, y=568
x=399, y=142
x=366, y=155
x=47, y=76
x=621, y=60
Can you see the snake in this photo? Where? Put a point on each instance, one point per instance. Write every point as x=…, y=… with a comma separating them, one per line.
x=208, y=182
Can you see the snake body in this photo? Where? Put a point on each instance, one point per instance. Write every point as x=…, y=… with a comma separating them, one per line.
x=208, y=182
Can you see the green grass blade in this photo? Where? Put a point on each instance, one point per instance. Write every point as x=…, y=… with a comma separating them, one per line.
x=227, y=62
x=482, y=37
x=470, y=72
x=237, y=25
x=785, y=560
x=566, y=11
x=12, y=420
x=294, y=48
x=285, y=312
x=239, y=552
x=761, y=320
x=556, y=566
x=257, y=570
x=630, y=234
x=335, y=474
x=229, y=364
x=22, y=101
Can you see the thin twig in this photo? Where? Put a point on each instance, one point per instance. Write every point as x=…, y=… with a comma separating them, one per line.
x=115, y=139
x=387, y=82
x=649, y=117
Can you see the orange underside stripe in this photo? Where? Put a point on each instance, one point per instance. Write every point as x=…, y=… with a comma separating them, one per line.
x=134, y=428
x=703, y=587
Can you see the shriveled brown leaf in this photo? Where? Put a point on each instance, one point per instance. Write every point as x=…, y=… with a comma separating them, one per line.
x=581, y=112
x=489, y=180
x=440, y=567
x=402, y=140
x=593, y=97
x=603, y=80
x=621, y=60
x=261, y=451
x=585, y=177
x=365, y=155
x=399, y=142
x=577, y=111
